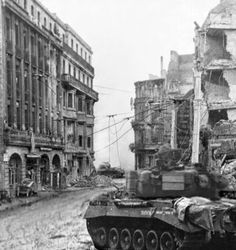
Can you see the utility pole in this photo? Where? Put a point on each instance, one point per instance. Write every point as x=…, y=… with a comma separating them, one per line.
x=196, y=114
x=173, y=126
x=109, y=136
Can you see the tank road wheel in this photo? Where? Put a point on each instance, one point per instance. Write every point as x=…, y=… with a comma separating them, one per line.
x=138, y=240
x=167, y=241
x=113, y=238
x=101, y=237
x=152, y=241
x=125, y=239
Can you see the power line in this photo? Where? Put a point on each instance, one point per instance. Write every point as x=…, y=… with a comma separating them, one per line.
x=121, y=90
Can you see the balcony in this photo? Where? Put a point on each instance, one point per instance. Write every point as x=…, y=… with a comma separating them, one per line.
x=74, y=148
x=81, y=117
x=74, y=83
x=90, y=119
x=78, y=58
x=69, y=113
x=22, y=138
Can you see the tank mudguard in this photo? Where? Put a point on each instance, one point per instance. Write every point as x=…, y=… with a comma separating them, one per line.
x=168, y=216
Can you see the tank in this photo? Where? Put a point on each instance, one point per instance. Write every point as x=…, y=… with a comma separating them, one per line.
x=113, y=172
x=169, y=207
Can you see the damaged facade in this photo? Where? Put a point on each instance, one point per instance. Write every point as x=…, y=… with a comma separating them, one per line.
x=216, y=56
x=45, y=68
x=149, y=127
x=158, y=110
x=215, y=59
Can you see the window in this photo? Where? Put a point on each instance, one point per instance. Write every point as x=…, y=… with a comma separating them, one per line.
x=63, y=38
x=74, y=73
x=32, y=10
x=18, y=80
x=25, y=38
x=40, y=122
x=70, y=102
x=50, y=26
x=89, y=59
x=40, y=91
x=18, y=115
x=72, y=43
x=32, y=45
x=47, y=124
x=88, y=108
x=46, y=92
x=27, y=125
x=69, y=69
x=9, y=77
x=34, y=119
x=45, y=22
x=80, y=141
x=83, y=76
x=17, y=34
x=87, y=80
x=64, y=98
x=8, y=29
x=77, y=48
x=34, y=82
x=81, y=52
x=63, y=66
x=89, y=142
x=39, y=17
x=25, y=4
x=26, y=82
x=80, y=104
x=85, y=56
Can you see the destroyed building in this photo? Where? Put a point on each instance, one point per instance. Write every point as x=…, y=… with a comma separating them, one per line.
x=216, y=56
x=179, y=84
x=215, y=60
x=148, y=125
x=159, y=105
x=47, y=97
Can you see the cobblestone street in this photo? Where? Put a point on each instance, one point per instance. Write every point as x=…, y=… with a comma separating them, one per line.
x=52, y=224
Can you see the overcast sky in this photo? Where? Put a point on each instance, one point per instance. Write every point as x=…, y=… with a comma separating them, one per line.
x=128, y=37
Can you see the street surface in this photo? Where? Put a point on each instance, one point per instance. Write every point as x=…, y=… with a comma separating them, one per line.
x=55, y=224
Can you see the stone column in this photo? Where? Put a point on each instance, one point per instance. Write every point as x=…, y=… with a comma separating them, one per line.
x=197, y=116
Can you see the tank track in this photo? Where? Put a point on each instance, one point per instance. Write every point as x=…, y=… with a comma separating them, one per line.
x=113, y=233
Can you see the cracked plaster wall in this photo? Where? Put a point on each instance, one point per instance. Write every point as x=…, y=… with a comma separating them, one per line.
x=215, y=92
x=231, y=41
x=230, y=77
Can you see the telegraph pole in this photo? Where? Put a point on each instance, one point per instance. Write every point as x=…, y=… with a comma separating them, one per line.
x=196, y=114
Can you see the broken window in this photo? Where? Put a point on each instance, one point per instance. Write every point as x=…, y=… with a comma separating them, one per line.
x=217, y=115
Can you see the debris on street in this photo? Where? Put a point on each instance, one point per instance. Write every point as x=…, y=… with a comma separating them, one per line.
x=94, y=181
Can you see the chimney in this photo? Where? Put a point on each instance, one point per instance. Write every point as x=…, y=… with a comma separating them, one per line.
x=162, y=67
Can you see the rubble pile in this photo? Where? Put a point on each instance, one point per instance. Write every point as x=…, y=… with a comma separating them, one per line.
x=229, y=172
x=94, y=181
x=102, y=181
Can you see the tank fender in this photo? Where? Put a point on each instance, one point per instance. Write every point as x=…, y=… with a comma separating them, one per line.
x=170, y=217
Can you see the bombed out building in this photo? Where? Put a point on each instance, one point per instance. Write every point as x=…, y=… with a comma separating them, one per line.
x=161, y=104
x=215, y=55
x=47, y=97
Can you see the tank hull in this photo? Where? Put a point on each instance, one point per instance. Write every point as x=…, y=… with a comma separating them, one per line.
x=152, y=225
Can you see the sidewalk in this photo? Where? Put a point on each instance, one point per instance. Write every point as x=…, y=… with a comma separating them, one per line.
x=27, y=201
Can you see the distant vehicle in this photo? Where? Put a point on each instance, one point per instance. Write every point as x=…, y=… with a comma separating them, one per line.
x=106, y=169
x=27, y=187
